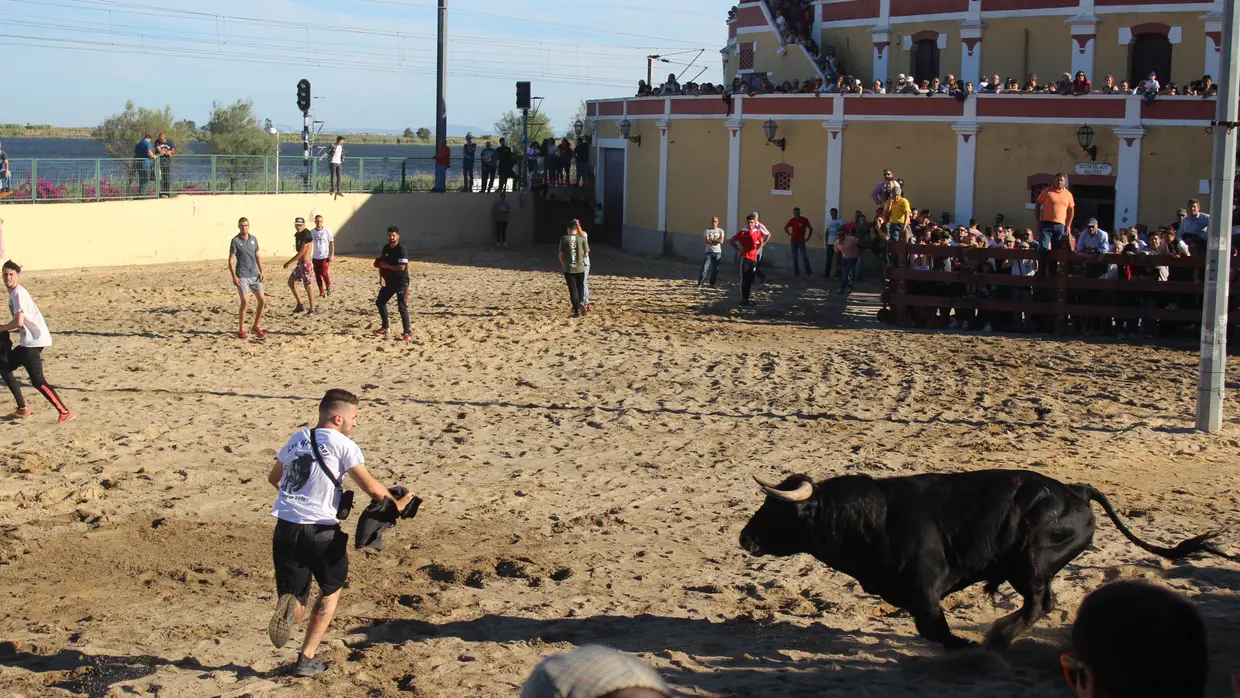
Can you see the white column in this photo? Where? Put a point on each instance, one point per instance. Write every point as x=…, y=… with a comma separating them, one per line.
x=971, y=52
x=966, y=168
x=881, y=37
x=1128, y=176
x=663, y=124
x=835, y=166
x=734, y=166
x=1214, y=44
x=1084, y=38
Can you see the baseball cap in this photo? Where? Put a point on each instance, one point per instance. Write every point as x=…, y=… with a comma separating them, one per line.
x=299, y=221
x=1181, y=212
x=753, y=214
x=590, y=671
x=1091, y=221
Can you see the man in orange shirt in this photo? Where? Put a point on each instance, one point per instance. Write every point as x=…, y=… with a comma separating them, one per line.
x=1055, y=209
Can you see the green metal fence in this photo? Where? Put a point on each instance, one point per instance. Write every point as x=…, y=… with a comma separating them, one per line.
x=61, y=180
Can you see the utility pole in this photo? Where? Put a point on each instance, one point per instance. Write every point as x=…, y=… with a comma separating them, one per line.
x=441, y=77
x=1213, y=368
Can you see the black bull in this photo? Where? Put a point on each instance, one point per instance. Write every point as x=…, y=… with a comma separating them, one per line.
x=914, y=540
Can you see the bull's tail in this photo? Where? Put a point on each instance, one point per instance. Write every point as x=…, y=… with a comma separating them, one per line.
x=1192, y=546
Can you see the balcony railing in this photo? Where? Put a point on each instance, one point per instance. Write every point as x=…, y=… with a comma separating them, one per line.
x=48, y=180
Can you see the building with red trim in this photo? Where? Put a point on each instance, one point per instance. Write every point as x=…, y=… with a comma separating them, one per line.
x=687, y=159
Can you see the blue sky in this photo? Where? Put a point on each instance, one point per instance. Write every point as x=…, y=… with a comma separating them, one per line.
x=371, y=62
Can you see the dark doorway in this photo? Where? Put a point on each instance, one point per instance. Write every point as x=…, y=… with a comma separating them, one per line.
x=925, y=60
x=1149, y=53
x=1093, y=201
x=613, y=195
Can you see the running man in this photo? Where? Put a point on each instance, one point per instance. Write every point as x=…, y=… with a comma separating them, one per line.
x=307, y=541
x=246, y=269
x=28, y=353
x=324, y=253
x=748, y=243
x=303, y=242
x=393, y=266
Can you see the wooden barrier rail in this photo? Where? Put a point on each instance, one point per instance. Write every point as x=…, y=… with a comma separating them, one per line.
x=1059, y=281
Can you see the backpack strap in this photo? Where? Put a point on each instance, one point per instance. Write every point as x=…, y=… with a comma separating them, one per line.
x=318, y=458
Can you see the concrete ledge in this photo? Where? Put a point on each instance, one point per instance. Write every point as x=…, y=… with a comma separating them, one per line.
x=198, y=228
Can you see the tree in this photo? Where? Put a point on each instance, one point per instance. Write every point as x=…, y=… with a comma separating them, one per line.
x=235, y=130
x=509, y=126
x=424, y=133
x=187, y=124
x=579, y=115
x=408, y=133
x=121, y=132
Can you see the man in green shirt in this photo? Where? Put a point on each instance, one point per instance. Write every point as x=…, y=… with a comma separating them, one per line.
x=574, y=251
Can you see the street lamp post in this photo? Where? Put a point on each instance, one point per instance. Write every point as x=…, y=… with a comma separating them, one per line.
x=275, y=134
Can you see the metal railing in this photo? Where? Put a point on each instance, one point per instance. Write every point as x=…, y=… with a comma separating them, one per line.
x=49, y=180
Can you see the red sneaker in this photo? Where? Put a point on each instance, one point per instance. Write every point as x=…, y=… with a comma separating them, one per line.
x=20, y=413
x=405, y=337
x=381, y=331
x=65, y=417
x=243, y=335
x=259, y=332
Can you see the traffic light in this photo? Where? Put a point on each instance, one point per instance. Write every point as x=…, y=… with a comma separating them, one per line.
x=303, y=95
x=523, y=95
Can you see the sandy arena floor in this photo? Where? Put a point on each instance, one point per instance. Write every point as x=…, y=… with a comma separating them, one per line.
x=584, y=482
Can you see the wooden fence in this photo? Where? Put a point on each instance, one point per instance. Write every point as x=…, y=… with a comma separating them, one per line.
x=1063, y=290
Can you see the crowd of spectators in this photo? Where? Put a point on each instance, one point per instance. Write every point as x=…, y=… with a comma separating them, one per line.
x=1185, y=236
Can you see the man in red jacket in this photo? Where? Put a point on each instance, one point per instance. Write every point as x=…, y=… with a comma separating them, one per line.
x=749, y=243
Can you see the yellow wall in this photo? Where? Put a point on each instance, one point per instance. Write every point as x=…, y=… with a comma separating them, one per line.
x=1173, y=161
x=1187, y=58
x=641, y=197
x=198, y=228
x=807, y=153
x=1014, y=48
x=1005, y=159
x=697, y=180
x=854, y=51
x=901, y=61
x=923, y=155
x=792, y=65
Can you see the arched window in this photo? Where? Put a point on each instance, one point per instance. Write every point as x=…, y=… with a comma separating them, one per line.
x=1149, y=52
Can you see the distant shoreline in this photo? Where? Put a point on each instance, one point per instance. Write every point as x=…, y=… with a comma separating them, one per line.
x=56, y=133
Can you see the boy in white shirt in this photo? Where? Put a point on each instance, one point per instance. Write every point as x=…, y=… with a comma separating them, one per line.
x=28, y=353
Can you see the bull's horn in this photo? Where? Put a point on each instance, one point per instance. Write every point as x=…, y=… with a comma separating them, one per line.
x=764, y=484
x=800, y=494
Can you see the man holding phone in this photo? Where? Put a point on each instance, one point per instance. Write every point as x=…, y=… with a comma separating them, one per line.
x=308, y=542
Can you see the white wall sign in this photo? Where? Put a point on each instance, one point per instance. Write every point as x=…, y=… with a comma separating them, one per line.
x=1092, y=168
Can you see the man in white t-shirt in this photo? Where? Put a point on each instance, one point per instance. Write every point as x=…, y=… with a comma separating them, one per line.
x=324, y=253
x=337, y=160
x=833, y=236
x=308, y=541
x=28, y=353
x=713, y=236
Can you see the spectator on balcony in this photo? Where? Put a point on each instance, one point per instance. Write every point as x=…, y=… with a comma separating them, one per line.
x=1081, y=84
x=1196, y=224
x=910, y=86
x=992, y=85
x=165, y=149
x=1054, y=211
x=671, y=87
x=144, y=154
x=878, y=88
x=581, y=153
x=1063, y=86
x=643, y=90
x=830, y=65
x=1149, y=89
x=1093, y=242
x=1124, y=88
x=468, y=151
x=1108, y=86
x=937, y=87
x=1031, y=84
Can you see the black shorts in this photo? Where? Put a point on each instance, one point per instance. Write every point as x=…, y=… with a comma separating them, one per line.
x=304, y=550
